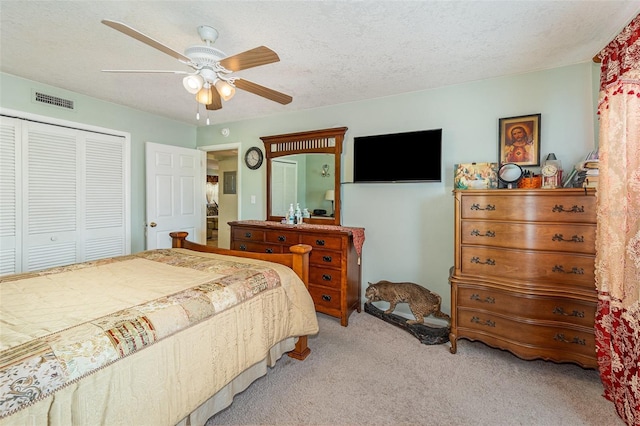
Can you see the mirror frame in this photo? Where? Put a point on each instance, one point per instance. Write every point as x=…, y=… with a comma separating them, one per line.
x=325, y=141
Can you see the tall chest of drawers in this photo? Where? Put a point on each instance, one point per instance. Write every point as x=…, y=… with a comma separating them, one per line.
x=523, y=276
x=334, y=263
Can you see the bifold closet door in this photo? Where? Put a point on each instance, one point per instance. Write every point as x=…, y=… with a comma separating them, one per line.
x=63, y=196
x=52, y=176
x=10, y=196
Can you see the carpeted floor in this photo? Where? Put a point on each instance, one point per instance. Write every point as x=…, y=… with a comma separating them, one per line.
x=373, y=373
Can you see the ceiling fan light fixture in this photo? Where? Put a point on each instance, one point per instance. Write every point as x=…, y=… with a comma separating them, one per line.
x=193, y=83
x=225, y=89
x=204, y=95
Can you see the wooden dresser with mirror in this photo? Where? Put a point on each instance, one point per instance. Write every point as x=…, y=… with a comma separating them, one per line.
x=305, y=168
x=523, y=277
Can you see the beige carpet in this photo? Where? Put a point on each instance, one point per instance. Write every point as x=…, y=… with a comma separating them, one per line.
x=373, y=373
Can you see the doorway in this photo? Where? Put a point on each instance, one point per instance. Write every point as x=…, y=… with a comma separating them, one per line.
x=222, y=161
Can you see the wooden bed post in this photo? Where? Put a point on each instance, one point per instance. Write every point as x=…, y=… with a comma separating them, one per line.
x=178, y=239
x=301, y=267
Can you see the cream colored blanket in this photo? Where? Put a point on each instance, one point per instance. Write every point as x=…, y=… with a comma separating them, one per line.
x=141, y=339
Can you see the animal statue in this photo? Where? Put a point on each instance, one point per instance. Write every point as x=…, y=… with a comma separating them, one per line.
x=421, y=301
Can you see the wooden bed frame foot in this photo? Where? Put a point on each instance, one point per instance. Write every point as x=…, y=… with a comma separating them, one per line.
x=301, y=351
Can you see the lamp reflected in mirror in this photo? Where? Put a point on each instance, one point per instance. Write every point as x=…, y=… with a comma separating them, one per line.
x=330, y=196
x=325, y=171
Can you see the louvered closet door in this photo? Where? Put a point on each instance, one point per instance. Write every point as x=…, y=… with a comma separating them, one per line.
x=10, y=258
x=104, y=196
x=74, y=196
x=52, y=175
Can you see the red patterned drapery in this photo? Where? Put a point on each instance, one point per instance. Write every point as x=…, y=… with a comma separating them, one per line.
x=617, y=325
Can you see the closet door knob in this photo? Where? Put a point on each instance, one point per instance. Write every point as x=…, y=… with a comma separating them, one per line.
x=153, y=224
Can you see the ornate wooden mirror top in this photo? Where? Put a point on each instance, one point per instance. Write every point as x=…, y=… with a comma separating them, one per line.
x=305, y=168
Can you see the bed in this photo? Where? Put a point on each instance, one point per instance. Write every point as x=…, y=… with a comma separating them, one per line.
x=161, y=337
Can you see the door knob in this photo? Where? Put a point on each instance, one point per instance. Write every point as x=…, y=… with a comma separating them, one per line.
x=153, y=224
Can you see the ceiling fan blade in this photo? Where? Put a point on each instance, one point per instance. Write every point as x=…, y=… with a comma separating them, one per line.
x=216, y=101
x=265, y=92
x=125, y=29
x=251, y=58
x=148, y=71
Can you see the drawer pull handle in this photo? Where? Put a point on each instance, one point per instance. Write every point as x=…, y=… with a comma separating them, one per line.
x=320, y=242
x=326, y=298
x=560, y=209
x=477, y=233
x=490, y=262
x=574, y=239
x=576, y=340
x=487, y=299
x=269, y=250
x=574, y=270
x=490, y=207
x=559, y=310
x=326, y=258
x=247, y=234
x=243, y=247
x=282, y=238
x=326, y=277
x=488, y=323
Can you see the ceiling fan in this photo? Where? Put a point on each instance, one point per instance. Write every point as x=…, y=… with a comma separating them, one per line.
x=211, y=80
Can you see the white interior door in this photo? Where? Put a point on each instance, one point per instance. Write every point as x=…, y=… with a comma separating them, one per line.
x=175, y=194
x=284, y=186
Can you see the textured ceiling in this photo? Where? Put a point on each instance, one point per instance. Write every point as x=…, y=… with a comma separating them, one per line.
x=331, y=52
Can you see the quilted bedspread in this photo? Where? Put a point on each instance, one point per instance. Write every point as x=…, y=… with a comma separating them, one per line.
x=63, y=324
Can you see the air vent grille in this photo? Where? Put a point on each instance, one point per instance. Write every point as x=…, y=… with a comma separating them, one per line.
x=53, y=100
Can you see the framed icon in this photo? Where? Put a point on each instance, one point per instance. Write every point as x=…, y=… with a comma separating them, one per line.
x=519, y=140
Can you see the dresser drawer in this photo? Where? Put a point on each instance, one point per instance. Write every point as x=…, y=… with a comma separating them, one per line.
x=557, y=309
x=257, y=247
x=321, y=241
x=324, y=297
x=247, y=234
x=529, y=207
x=325, y=276
x=325, y=258
x=558, y=338
x=535, y=267
x=569, y=237
x=282, y=237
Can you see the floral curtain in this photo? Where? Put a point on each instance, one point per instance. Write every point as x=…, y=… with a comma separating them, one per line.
x=617, y=325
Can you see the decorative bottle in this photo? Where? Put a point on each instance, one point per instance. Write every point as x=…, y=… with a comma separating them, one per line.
x=291, y=214
x=298, y=213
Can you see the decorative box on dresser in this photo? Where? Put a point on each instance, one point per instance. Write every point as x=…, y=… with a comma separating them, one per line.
x=523, y=275
x=334, y=261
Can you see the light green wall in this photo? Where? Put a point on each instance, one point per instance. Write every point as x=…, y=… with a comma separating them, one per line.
x=409, y=226
x=16, y=94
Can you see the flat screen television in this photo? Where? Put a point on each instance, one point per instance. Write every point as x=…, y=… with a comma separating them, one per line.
x=398, y=157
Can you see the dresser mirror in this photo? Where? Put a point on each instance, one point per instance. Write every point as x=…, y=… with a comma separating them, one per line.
x=305, y=168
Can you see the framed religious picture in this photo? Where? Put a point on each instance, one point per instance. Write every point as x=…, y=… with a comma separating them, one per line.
x=519, y=140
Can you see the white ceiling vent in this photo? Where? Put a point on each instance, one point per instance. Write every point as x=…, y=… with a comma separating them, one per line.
x=53, y=100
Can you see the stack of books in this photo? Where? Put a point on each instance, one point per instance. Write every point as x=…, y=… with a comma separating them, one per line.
x=585, y=174
x=592, y=173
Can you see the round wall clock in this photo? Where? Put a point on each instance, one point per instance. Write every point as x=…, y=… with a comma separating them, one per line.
x=253, y=158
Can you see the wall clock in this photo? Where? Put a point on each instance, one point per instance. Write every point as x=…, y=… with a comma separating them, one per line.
x=253, y=158
x=549, y=176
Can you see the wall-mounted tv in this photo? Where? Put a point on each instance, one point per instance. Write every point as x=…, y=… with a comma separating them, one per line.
x=398, y=157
